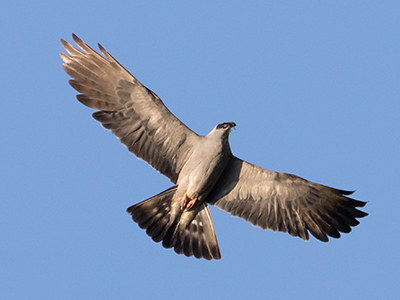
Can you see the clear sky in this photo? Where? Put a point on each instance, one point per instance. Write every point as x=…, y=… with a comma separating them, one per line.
x=314, y=89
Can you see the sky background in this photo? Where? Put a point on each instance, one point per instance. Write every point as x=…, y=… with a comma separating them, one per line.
x=314, y=89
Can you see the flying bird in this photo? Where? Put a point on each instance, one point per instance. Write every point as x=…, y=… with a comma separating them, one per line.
x=203, y=169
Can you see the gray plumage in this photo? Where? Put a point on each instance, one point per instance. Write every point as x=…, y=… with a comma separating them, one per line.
x=202, y=168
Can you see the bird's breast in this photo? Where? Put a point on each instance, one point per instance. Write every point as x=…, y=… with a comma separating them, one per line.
x=203, y=168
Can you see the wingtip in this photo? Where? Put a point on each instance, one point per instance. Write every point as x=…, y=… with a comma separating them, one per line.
x=362, y=214
x=102, y=49
x=105, y=52
x=347, y=193
x=129, y=210
x=76, y=38
x=64, y=43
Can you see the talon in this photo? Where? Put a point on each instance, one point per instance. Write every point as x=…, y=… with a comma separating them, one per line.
x=191, y=203
x=187, y=202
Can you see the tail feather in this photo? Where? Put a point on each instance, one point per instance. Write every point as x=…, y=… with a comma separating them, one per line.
x=151, y=212
x=196, y=237
x=157, y=230
x=191, y=234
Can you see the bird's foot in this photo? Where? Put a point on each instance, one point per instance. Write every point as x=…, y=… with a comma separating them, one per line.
x=187, y=202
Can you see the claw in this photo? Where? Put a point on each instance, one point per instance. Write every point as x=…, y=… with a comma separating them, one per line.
x=187, y=202
x=191, y=203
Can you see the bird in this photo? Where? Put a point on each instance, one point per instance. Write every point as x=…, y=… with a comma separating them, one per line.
x=202, y=168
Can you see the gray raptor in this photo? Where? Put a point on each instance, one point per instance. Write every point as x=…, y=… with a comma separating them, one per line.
x=202, y=168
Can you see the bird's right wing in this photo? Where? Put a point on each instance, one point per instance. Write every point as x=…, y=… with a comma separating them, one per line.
x=134, y=114
x=284, y=202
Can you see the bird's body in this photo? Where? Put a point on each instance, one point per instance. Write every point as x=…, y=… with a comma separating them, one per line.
x=202, y=168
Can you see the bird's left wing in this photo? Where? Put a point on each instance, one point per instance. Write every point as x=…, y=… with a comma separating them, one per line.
x=135, y=114
x=284, y=202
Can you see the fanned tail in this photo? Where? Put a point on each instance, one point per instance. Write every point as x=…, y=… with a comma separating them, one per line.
x=153, y=214
x=191, y=233
x=194, y=235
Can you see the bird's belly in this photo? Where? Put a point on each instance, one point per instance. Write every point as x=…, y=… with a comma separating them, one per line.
x=199, y=177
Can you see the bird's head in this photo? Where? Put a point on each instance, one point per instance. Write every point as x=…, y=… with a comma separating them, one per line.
x=225, y=126
x=223, y=129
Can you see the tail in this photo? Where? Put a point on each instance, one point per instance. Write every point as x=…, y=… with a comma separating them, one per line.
x=195, y=237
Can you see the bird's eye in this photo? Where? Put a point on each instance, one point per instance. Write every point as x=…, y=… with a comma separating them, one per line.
x=221, y=125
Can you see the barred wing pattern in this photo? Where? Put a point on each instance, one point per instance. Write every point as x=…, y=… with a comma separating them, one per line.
x=133, y=113
x=285, y=202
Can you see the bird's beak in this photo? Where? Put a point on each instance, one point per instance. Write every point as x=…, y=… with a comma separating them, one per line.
x=232, y=124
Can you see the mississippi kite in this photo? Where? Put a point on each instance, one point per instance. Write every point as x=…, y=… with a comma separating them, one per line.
x=202, y=168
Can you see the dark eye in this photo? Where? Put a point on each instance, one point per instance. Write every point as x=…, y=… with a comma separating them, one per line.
x=221, y=125
x=226, y=125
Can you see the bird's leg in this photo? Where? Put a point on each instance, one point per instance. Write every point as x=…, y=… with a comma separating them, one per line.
x=187, y=202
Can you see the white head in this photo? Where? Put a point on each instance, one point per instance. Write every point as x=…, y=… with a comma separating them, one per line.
x=222, y=130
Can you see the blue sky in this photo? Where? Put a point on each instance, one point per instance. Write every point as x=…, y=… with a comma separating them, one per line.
x=314, y=90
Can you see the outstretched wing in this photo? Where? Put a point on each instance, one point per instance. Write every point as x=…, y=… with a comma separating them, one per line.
x=284, y=202
x=134, y=114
